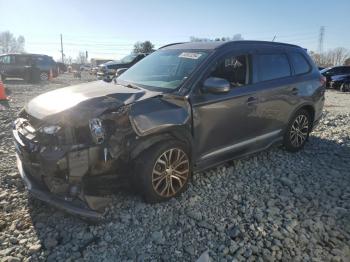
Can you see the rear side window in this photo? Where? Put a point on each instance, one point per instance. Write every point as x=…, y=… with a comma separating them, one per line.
x=300, y=65
x=273, y=66
x=22, y=60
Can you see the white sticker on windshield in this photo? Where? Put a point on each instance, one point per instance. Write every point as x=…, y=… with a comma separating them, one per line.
x=190, y=55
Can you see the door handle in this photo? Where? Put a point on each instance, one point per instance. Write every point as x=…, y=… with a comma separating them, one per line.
x=252, y=100
x=294, y=91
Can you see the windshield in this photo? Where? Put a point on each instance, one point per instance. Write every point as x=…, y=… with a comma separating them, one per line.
x=128, y=59
x=164, y=69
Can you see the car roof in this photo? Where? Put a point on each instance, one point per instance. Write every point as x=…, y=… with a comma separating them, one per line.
x=25, y=54
x=218, y=44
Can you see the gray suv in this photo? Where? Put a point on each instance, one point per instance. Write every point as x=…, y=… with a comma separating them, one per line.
x=30, y=67
x=182, y=109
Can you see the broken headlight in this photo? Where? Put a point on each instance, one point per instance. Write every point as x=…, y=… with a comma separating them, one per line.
x=50, y=130
x=97, y=130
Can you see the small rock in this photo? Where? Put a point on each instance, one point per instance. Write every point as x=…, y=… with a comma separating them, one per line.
x=247, y=253
x=10, y=259
x=286, y=182
x=34, y=248
x=190, y=250
x=13, y=175
x=6, y=252
x=158, y=238
x=204, y=257
x=194, y=214
x=3, y=195
x=50, y=243
x=234, y=232
x=206, y=225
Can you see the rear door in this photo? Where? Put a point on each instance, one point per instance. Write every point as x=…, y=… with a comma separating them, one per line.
x=277, y=92
x=21, y=65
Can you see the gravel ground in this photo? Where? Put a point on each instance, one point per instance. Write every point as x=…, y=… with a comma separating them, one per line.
x=274, y=206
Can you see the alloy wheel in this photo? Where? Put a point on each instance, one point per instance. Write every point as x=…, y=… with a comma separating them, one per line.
x=44, y=76
x=170, y=172
x=299, y=131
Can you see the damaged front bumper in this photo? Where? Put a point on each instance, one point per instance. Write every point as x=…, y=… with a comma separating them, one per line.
x=38, y=191
x=61, y=175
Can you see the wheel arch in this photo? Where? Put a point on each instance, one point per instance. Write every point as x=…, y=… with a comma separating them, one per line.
x=179, y=133
x=309, y=108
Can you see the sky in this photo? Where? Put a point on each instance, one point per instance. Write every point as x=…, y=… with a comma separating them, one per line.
x=108, y=29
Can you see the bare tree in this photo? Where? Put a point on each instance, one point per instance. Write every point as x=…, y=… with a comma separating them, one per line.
x=236, y=37
x=81, y=59
x=339, y=55
x=143, y=47
x=332, y=57
x=347, y=62
x=198, y=39
x=11, y=44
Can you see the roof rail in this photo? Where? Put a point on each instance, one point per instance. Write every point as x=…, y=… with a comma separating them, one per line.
x=172, y=44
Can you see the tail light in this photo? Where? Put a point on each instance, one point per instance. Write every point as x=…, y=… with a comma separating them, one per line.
x=323, y=80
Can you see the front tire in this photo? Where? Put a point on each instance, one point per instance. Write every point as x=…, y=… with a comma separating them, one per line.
x=163, y=171
x=298, y=131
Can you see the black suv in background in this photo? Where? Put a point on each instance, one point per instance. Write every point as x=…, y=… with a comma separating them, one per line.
x=107, y=70
x=334, y=71
x=184, y=108
x=30, y=67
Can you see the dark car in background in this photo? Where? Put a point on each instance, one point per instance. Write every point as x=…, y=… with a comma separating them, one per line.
x=340, y=82
x=30, y=67
x=61, y=67
x=182, y=109
x=107, y=70
x=330, y=72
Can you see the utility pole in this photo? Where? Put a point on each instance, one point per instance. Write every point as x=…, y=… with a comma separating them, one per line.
x=320, y=39
x=62, y=50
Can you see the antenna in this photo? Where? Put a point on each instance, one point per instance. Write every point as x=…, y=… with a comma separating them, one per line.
x=320, y=39
x=274, y=38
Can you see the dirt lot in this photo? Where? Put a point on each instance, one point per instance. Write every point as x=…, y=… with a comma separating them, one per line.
x=274, y=206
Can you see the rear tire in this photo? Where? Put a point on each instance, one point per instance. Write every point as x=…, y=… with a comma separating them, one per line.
x=345, y=87
x=298, y=131
x=163, y=171
x=44, y=76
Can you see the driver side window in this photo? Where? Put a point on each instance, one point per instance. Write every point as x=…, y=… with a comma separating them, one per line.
x=235, y=69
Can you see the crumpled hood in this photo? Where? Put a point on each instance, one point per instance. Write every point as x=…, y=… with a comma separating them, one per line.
x=83, y=101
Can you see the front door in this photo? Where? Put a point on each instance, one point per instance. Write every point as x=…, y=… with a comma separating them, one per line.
x=226, y=123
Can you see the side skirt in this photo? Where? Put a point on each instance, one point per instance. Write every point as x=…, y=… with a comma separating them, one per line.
x=204, y=164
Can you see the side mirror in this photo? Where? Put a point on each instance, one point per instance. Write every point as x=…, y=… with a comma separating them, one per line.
x=120, y=71
x=216, y=85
